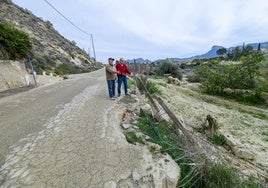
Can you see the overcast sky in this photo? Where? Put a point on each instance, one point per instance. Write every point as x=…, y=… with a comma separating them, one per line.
x=155, y=29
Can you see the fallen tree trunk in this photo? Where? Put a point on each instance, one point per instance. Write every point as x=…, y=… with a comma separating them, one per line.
x=207, y=149
x=204, y=148
x=178, y=125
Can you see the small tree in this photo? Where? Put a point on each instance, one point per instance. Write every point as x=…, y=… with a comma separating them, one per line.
x=259, y=47
x=250, y=63
x=168, y=67
x=247, y=50
x=236, y=53
x=221, y=51
x=213, y=78
x=216, y=77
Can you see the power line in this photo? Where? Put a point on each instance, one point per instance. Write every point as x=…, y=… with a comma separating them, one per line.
x=91, y=36
x=67, y=18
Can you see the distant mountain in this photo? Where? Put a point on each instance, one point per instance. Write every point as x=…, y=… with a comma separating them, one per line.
x=213, y=52
x=138, y=60
x=210, y=54
x=264, y=45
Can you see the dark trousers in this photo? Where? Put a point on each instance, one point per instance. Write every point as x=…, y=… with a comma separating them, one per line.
x=111, y=88
x=122, y=79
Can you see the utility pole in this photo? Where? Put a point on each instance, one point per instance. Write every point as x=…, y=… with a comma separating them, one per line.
x=93, y=49
x=88, y=52
x=33, y=72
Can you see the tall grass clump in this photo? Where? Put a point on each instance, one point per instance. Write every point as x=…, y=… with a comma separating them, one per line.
x=150, y=86
x=196, y=172
x=218, y=139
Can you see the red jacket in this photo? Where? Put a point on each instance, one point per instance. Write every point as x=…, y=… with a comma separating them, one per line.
x=123, y=69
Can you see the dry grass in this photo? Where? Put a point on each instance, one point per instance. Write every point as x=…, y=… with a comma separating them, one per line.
x=248, y=125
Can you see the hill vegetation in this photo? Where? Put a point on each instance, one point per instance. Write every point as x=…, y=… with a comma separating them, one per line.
x=240, y=74
x=38, y=41
x=213, y=88
x=244, y=78
x=14, y=42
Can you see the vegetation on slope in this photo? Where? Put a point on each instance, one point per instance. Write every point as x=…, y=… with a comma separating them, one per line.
x=248, y=77
x=14, y=42
x=244, y=80
x=195, y=172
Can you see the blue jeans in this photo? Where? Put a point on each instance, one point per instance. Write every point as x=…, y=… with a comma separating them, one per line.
x=111, y=88
x=120, y=80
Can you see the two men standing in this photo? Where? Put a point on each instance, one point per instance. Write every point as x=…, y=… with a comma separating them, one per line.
x=119, y=72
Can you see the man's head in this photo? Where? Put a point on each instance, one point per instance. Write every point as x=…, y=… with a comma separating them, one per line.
x=111, y=60
x=122, y=60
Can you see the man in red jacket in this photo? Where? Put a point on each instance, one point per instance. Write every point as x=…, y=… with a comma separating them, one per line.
x=122, y=70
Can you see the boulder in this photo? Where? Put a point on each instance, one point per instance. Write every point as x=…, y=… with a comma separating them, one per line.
x=237, y=149
x=243, y=153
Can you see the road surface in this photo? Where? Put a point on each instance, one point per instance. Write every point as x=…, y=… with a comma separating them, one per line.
x=68, y=135
x=63, y=135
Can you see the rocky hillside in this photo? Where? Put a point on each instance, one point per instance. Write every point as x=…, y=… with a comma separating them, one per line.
x=50, y=49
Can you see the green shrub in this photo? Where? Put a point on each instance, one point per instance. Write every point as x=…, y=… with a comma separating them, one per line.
x=132, y=137
x=220, y=175
x=68, y=69
x=14, y=41
x=169, y=67
x=139, y=80
x=151, y=86
x=131, y=83
x=44, y=63
x=218, y=139
x=170, y=80
x=193, y=78
x=216, y=77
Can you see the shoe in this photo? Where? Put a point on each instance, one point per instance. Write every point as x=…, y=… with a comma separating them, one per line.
x=118, y=95
x=127, y=94
x=112, y=98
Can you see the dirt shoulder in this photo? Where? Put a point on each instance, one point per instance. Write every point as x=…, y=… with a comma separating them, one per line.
x=41, y=81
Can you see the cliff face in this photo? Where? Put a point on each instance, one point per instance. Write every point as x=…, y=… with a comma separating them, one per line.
x=13, y=74
x=50, y=49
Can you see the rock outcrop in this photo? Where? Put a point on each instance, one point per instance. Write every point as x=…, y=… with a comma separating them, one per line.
x=50, y=49
x=13, y=74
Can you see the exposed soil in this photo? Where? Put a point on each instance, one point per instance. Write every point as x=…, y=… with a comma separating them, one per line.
x=14, y=91
x=247, y=125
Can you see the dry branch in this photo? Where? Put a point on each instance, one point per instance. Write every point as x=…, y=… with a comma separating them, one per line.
x=205, y=146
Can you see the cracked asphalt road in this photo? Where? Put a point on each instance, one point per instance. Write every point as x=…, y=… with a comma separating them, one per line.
x=64, y=135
